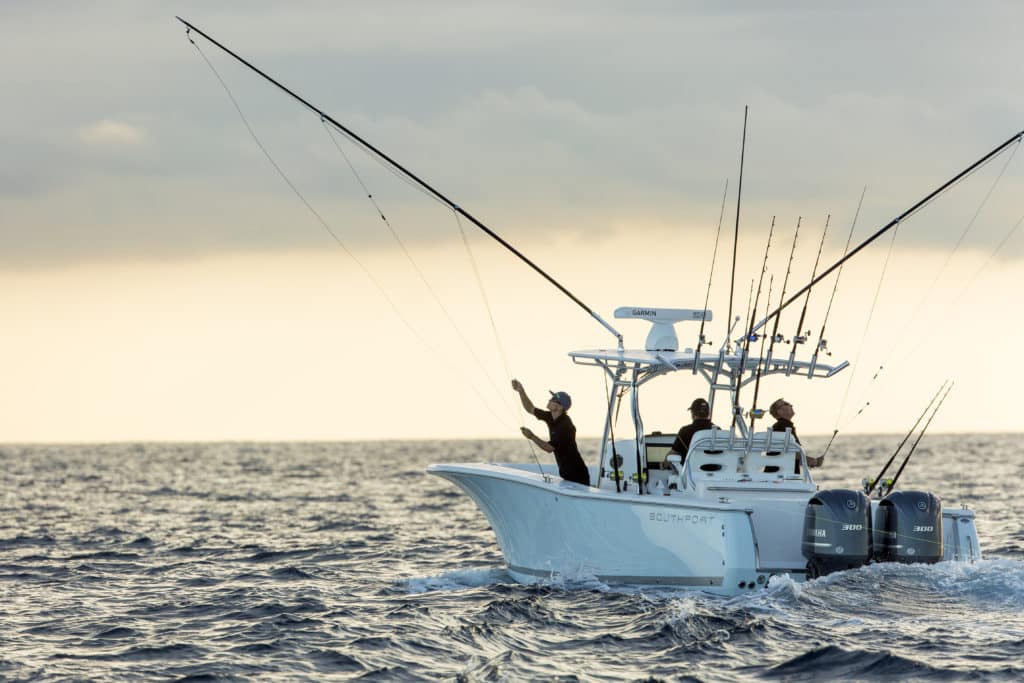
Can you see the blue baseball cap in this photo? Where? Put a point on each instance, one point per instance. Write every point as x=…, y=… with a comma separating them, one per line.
x=561, y=398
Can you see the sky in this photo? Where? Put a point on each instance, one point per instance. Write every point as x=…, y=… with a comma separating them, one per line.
x=160, y=280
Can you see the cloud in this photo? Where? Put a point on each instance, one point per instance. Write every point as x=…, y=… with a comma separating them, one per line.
x=107, y=133
x=585, y=119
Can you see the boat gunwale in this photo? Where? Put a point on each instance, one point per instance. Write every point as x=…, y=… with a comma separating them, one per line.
x=574, y=490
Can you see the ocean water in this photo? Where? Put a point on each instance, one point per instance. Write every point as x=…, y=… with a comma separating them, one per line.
x=339, y=561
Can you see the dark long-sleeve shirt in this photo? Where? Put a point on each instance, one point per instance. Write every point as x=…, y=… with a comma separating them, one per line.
x=562, y=437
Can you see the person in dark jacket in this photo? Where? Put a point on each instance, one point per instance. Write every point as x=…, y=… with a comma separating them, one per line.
x=700, y=418
x=561, y=431
x=782, y=411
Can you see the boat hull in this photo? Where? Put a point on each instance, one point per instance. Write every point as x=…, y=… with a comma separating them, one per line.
x=558, y=529
x=549, y=528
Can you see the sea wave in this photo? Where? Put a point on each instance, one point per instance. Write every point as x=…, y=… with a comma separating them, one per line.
x=304, y=561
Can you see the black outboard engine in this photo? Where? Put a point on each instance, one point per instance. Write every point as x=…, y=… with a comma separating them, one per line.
x=909, y=527
x=837, y=531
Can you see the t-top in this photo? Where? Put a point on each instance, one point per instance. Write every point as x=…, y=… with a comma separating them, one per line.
x=562, y=436
x=682, y=443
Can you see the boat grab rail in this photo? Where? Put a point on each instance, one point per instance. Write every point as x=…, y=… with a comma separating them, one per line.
x=748, y=458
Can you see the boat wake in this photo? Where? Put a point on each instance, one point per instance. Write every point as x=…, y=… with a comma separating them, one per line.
x=992, y=583
x=456, y=580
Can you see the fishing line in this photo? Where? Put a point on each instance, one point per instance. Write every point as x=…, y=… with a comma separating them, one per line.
x=920, y=307
x=494, y=328
x=828, y=311
x=928, y=199
x=384, y=158
x=483, y=295
x=867, y=326
x=960, y=295
x=970, y=282
x=326, y=226
x=963, y=235
x=991, y=256
x=415, y=266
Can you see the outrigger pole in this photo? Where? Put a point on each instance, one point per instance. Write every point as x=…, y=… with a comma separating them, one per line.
x=324, y=116
x=736, y=229
x=888, y=226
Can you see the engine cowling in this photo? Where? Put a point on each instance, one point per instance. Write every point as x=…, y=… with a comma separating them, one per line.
x=837, y=531
x=909, y=527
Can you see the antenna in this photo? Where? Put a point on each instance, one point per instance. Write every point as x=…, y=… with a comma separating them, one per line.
x=662, y=336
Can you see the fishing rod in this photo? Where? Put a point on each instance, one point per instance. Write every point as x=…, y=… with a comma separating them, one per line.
x=751, y=312
x=870, y=484
x=760, y=279
x=766, y=360
x=789, y=267
x=736, y=229
x=711, y=274
x=1016, y=138
x=835, y=284
x=775, y=331
x=392, y=164
x=828, y=311
x=754, y=412
x=918, y=440
x=799, y=338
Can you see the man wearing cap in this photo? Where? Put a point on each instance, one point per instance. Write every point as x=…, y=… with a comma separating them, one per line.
x=700, y=414
x=782, y=411
x=562, y=434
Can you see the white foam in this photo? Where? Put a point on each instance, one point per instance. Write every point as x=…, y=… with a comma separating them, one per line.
x=783, y=585
x=681, y=609
x=455, y=580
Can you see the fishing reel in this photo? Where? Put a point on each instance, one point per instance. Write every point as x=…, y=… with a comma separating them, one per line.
x=801, y=338
x=823, y=346
x=780, y=339
x=881, y=490
x=756, y=413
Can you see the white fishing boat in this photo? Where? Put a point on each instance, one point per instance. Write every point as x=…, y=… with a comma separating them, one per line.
x=740, y=507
